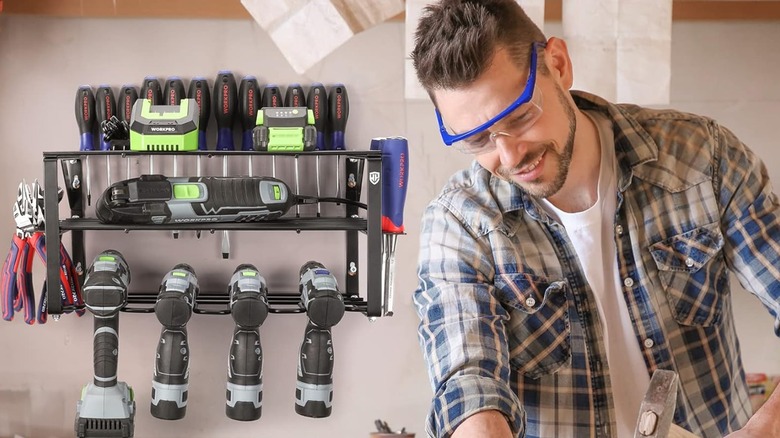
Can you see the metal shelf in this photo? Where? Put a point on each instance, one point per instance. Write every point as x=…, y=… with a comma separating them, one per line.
x=370, y=302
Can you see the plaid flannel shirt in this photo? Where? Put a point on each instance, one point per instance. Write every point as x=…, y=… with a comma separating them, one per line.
x=509, y=322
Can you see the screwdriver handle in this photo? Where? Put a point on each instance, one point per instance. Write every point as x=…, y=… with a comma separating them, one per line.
x=199, y=90
x=248, y=99
x=105, y=108
x=151, y=90
x=395, y=179
x=128, y=94
x=225, y=108
x=85, y=117
x=272, y=96
x=339, y=112
x=317, y=101
x=174, y=91
x=294, y=96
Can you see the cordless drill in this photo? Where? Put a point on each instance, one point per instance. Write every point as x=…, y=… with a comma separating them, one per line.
x=107, y=407
x=324, y=306
x=175, y=301
x=249, y=308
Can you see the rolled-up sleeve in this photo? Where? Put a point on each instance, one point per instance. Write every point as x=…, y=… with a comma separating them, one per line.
x=462, y=326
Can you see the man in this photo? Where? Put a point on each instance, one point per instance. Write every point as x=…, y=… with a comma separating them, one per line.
x=588, y=245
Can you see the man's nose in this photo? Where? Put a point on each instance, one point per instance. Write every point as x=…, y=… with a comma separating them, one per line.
x=510, y=149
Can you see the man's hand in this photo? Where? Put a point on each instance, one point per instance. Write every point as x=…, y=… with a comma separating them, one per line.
x=765, y=422
x=491, y=424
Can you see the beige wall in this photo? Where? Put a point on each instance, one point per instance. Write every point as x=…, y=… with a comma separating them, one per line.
x=727, y=71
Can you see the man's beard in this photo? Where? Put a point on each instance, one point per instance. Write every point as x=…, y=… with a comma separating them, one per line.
x=545, y=190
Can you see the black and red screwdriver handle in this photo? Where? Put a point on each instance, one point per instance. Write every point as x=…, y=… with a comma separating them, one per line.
x=174, y=91
x=248, y=105
x=128, y=94
x=105, y=108
x=151, y=90
x=272, y=97
x=85, y=117
x=199, y=90
x=339, y=113
x=317, y=101
x=294, y=96
x=224, y=109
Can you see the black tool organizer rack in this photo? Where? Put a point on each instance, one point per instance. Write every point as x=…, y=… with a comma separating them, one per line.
x=352, y=223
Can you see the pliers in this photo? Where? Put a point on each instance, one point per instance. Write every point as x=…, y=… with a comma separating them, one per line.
x=16, y=287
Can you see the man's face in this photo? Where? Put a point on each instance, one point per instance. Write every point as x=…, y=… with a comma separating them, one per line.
x=536, y=158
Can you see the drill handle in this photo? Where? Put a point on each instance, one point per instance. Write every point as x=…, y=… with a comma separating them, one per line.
x=106, y=350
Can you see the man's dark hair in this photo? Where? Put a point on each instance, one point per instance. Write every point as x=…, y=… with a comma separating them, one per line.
x=456, y=39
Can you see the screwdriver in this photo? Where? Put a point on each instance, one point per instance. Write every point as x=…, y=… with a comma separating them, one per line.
x=317, y=101
x=272, y=97
x=174, y=93
x=294, y=97
x=128, y=94
x=248, y=99
x=151, y=90
x=105, y=108
x=339, y=112
x=395, y=178
x=199, y=90
x=85, y=117
x=224, y=111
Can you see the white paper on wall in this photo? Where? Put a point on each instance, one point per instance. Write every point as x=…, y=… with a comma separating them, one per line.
x=535, y=11
x=620, y=49
x=306, y=31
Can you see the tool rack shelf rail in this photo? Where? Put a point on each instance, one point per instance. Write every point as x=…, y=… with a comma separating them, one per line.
x=209, y=303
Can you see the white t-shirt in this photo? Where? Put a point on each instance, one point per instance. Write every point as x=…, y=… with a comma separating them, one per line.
x=592, y=235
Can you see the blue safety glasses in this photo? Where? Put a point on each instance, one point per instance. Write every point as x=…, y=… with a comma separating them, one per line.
x=528, y=106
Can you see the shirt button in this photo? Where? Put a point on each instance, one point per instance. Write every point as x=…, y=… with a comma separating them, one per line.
x=530, y=301
x=649, y=343
x=689, y=262
x=619, y=230
x=628, y=282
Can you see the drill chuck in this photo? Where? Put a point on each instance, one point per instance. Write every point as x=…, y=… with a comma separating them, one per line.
x=175, y=302
x=249, y=308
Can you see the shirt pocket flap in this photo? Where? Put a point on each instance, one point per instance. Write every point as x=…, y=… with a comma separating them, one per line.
x=689, y=251
x=529, y=293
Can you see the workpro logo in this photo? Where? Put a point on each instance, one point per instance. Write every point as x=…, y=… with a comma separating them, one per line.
x=373, y=178
x=162, y=129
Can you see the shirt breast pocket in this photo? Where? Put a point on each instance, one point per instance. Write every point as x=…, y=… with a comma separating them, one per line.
x=538, y=330
x=693, y=273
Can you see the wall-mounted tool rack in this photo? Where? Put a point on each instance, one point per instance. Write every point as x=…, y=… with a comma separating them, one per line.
x=352, y=223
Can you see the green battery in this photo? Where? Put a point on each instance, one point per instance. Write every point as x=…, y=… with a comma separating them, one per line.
x=164, y=127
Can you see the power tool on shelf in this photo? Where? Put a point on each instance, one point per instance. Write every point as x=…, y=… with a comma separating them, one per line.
x=249, y=308
x=324, y=306
x=157, y=200
x=107, y=406
x=174, y=306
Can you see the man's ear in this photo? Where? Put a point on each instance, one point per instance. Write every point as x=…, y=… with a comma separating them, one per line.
x=556, y=57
